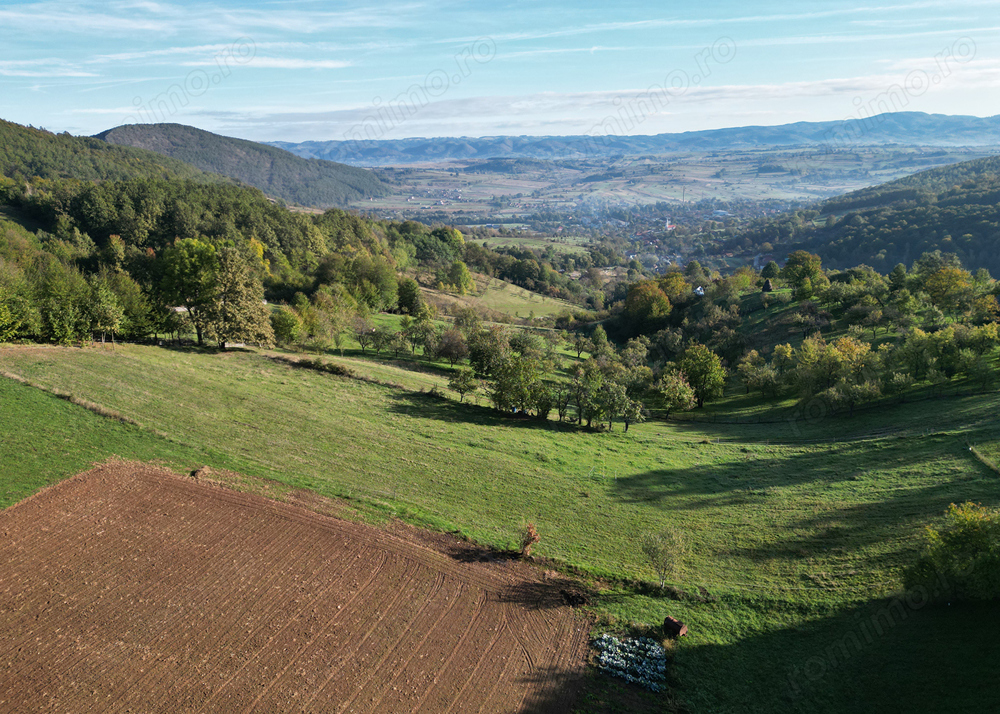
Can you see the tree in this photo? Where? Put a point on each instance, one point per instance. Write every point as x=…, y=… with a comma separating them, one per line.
x=581, y=344
x=464, y=382
x=770, y=271
x=801, y=268
x=962, y=558
x=364, y=333
x=382, y=338
x=237, y=311
x=286, y=325
x=421, y=333
x=747, y=368
x=634, y=413
x=410, y=300
x=599, y=341
x=189, y=272
x=460, y=277
x=675, y=287
x=106, y=315
x=10, y=323
x=488, y=349
x=665, y=552
x=950, y=288
x=452, y=346
x=704, y=372
x=468, y=321
x=677, y=394
x=613, y=401
x=515, y=384
x=645, y=304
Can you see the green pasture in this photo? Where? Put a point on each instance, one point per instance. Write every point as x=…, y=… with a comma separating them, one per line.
x=797, y=531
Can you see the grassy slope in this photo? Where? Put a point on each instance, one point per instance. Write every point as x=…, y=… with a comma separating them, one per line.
x=501, y=296
x=798, y=527
x=46, y=439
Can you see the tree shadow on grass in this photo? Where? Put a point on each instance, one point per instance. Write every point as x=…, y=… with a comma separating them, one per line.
x=897, y=655
x=430, y=405
x=838, y=505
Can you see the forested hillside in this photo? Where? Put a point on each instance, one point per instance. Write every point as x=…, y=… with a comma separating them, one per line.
x=274, y=171
x=955, y=209
x=27, y=152
x=118, y=256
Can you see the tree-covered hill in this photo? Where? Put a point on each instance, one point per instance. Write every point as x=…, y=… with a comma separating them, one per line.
x=26, y=152
x=955, y=209
x=957, y=181
x=274, y=171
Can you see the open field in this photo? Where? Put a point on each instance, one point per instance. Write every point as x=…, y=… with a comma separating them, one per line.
x=130, y=587
x=501, y=296
x=798, y=529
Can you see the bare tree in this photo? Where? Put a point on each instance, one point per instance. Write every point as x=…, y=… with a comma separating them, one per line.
x=665, y=551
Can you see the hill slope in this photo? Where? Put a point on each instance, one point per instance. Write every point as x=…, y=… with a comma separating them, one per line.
x=954, y=209
x=911, y=128
x=272, y=170
x=27, y=152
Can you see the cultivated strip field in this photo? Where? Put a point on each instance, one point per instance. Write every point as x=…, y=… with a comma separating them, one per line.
x=127, y=588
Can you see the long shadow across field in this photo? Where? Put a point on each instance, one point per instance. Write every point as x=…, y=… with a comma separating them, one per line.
x=858, y=511
x=897, y=655
x=426, y=405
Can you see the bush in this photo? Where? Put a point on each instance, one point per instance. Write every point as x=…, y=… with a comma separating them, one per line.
x=962, y=559
x=529, y=536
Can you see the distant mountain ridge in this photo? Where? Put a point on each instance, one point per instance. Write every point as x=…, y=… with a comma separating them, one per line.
x=908, y=128
x=274, y=171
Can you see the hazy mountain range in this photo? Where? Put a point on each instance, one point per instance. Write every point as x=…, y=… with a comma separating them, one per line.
x=906, y=128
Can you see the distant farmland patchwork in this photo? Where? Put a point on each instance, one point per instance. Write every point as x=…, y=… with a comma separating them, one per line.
x=129, y=587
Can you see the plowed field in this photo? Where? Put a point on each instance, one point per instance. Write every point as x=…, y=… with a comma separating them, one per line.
x=130, y=589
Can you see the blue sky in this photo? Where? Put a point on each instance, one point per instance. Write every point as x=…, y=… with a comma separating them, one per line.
x=299, y=70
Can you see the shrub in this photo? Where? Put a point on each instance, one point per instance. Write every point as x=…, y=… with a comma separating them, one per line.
x=529, y=536
x=962, y=559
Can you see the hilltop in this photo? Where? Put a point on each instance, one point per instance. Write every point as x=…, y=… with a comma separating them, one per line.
x=274, y=171
x=27, y=152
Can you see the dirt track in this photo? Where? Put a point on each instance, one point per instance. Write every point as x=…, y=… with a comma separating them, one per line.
x=129, y=589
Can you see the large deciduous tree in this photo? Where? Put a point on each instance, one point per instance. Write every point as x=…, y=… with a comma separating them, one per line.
x=704, y=372
x=190, y=267
x=237, y=311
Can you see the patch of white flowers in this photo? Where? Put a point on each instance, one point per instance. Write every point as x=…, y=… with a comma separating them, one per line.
x=640, y=660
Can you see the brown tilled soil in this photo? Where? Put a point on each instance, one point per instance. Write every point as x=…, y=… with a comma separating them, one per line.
x=128, y=588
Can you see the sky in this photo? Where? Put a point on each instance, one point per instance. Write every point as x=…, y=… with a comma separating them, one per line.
x=301, y=70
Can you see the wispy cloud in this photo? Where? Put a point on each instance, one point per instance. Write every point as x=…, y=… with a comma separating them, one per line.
x=280, y=63
x=41, y=68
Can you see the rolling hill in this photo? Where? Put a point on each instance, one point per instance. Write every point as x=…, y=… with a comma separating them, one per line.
x=277, y=172
x=955, y=209
x=26, y=152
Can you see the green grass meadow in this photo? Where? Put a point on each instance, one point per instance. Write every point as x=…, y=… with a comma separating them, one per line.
x=797, y=530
